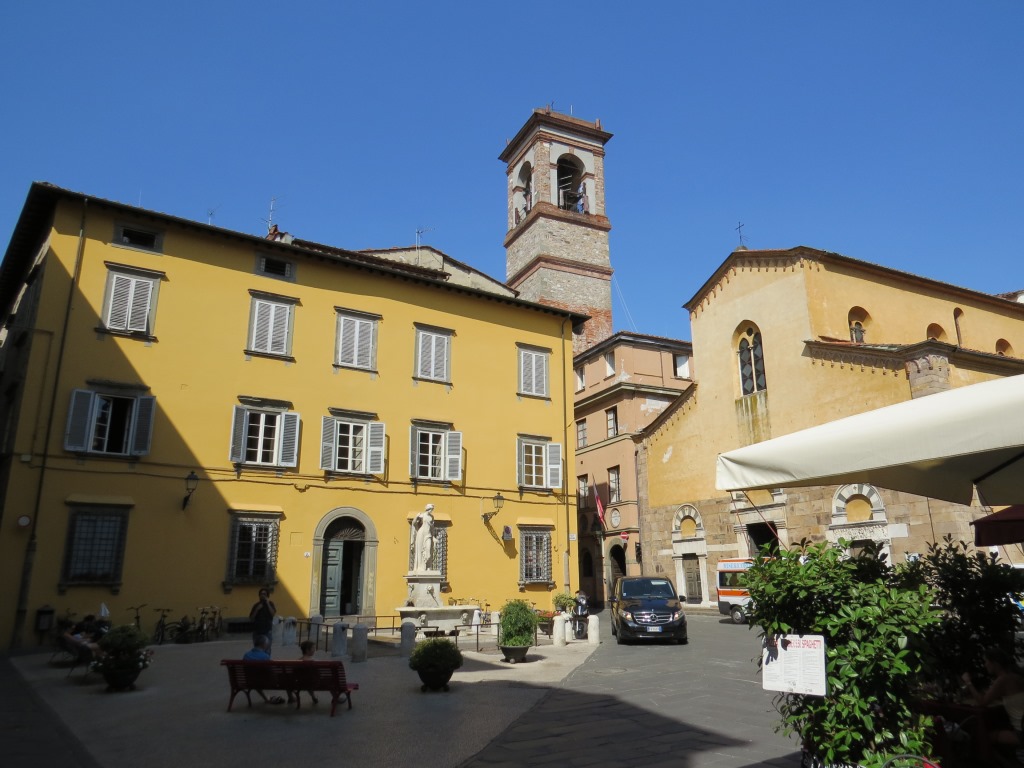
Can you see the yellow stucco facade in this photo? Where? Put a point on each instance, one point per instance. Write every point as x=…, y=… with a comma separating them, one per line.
x=838, y=337
x=320, y=396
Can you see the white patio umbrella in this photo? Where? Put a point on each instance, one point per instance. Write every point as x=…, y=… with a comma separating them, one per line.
x=942, y=446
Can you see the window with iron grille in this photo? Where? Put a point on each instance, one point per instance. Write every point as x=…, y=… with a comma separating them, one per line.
x=94, y=552
x=253, y=555
x=534, y=555
x=440, y=556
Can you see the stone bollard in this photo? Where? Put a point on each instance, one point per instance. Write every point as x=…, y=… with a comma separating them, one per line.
x=408, y=641
x=558, y=631
x=289, y=631
x=339, y=639
x=594, y=630
x=495, y=622
x=277, y=632
x=316, y=625
x=360, y=639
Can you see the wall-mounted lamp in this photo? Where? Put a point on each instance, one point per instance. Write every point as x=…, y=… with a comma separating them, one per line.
x=191, y=483
x=498, y=501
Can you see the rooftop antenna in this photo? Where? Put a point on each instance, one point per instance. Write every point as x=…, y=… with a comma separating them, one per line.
x=210, y=212
x=420, y=231
x=739, y=228
x=270, y=216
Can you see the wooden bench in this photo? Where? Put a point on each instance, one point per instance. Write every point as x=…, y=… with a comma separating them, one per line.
x=291, y=676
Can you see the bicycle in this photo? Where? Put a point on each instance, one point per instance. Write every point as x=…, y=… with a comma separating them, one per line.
x=137, y=608
x=164, y=629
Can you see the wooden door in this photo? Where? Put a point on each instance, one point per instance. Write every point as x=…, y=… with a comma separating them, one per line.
x=691, y=575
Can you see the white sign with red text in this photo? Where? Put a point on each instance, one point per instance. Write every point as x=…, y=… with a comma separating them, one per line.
x=794, y=664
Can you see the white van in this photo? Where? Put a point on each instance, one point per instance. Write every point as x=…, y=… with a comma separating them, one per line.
x=733, y=597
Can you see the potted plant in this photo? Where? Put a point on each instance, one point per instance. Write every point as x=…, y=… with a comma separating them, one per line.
x=563, y=602
x=124, y=657
x=435, y=660
x=517, y=630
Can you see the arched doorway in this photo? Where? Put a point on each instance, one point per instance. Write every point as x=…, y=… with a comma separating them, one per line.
x=344, y=565
x=616, y=564
x=341, y=577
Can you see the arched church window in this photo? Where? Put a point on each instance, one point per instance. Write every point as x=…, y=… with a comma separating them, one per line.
x=1003, y=348
x=858, y=318
x=935, y=332
x=751, y=362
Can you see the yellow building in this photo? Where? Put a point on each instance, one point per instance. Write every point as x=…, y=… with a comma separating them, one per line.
x=322, y=398
x=787, y=339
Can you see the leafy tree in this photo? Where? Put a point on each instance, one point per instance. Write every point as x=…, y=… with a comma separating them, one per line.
x=874, y=620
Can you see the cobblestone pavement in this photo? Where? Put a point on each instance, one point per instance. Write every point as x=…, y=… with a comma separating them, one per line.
x=695, y=706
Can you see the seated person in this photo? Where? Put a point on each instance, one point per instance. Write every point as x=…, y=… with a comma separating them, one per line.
x=1007, y=688
x=85, y=634
x=259, y=652
x=308, y=648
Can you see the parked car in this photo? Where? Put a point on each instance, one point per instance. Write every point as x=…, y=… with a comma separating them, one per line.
x=647, y=608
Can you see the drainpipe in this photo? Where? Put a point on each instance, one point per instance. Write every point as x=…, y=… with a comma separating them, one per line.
x=21, y=612
x=565, y=464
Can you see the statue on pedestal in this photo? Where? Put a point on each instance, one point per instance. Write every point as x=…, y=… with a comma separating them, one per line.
x=423, y=541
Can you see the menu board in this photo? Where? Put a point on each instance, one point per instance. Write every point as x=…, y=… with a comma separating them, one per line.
x=794, y=664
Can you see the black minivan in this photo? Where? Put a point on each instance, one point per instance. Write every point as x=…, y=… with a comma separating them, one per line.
x=647, y=608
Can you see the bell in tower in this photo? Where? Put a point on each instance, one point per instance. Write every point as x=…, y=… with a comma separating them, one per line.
x=556, y=249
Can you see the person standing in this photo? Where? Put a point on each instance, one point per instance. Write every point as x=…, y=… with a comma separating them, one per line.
x=262, y=617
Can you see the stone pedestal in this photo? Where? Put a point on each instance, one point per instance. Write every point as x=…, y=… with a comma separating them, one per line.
x=339, y=639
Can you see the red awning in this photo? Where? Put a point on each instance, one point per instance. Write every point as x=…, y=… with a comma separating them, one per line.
x=1003, y=527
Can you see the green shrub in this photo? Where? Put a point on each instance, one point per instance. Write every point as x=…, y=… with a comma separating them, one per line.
x=875, y=621
x=518, y=623
x=435, y=653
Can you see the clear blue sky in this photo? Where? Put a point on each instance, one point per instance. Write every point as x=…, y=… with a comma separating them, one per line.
x=891, y=132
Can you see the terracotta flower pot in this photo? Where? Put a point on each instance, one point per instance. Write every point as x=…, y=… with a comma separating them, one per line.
x=121, y=679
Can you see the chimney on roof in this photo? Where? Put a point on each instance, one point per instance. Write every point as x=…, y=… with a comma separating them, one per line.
x=275, y=234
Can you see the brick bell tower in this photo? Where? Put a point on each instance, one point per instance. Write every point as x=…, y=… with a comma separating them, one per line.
x=556, y=249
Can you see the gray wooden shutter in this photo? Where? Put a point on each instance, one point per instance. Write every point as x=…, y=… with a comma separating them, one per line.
x=145, y=410
x=424, y=363
x=261, y=312
x=239, y=418
x=120, y=299
x=453, y=456
x=413, y=451
x=525, y=371
x=328, y=444
x=375, y=445
x=442, y=352
x=540, y=374
x=553, y=454
x=364, y=343
x=138, y=315
x=346, y=340
x=289, y=439
x=519, y=461
x=76, y=434
x=281, y=314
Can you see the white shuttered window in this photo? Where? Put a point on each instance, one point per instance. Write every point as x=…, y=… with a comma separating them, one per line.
x=533, y=372
x=270, y=326
x=433, y=354
x=357, y=341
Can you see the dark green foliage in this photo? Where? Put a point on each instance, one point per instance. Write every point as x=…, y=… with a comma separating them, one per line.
x=435, y=653
x=972, y=589
x=518, y=624
x=873, y=620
